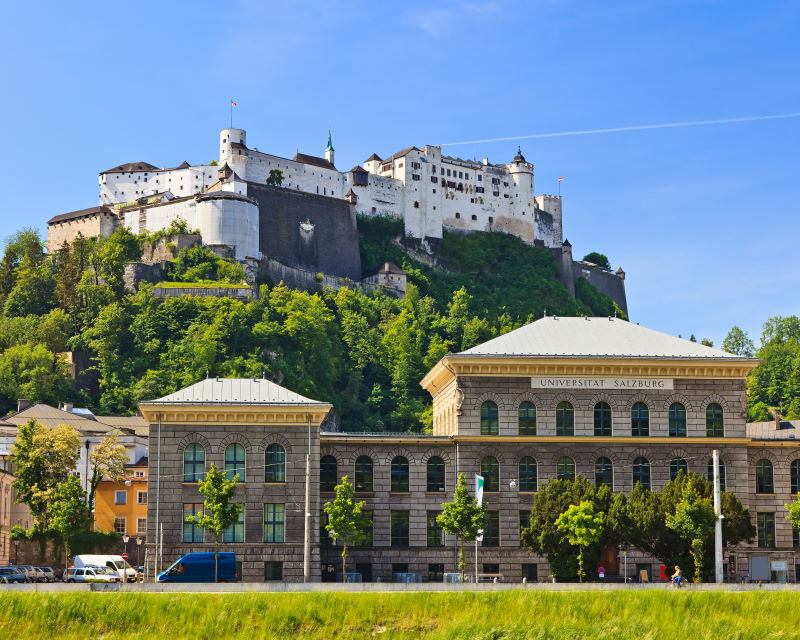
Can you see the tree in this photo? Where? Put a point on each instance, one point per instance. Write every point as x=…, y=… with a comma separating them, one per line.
x=738, y=343
x=583, y=526
x=708, y=342
x=543, y=536
x=346, y=520
x=31, y=371
x=275, y=178
x=69, y=512
x=108, y=462
x=44, y=459
x=693, y=521
x=218, y=512
x=463, y=518
x=793, y=512
x=597, y=258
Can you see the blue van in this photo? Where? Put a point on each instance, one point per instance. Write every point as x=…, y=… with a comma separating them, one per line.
x=199, y=567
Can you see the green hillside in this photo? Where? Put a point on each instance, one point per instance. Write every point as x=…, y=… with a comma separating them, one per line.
x=364, y=353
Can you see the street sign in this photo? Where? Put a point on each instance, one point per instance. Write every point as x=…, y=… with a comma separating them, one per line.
x=601, y=571
x=124, y=556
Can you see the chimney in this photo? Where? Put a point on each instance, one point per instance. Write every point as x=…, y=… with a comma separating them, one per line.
x=65, y=406
x=778, y=419
x=23, y=404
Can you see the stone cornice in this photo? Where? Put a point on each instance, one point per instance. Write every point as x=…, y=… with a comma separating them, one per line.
x=514, y=366
x=244, y=414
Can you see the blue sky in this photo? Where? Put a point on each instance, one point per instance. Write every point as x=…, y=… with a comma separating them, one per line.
x=704, y=220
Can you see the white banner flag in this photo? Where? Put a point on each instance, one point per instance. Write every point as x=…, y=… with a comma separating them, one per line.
x=479, y=499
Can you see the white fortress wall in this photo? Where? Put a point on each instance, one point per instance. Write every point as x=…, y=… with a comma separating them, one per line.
x=229, y=220
x=130, y=185
x=155, y=217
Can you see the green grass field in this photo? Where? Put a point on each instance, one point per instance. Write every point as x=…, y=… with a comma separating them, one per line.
x=459, y=616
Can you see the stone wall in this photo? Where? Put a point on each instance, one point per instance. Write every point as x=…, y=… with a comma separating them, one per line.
x=305, y=230
x=605, y=281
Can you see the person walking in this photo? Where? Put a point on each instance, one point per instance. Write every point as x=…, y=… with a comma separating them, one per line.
x=677, y=577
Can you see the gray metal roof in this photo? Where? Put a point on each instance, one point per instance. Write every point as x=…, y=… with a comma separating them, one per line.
x=594, y=337
x=236, y=391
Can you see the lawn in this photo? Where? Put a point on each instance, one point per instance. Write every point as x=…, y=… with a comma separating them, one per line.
x=458, y=616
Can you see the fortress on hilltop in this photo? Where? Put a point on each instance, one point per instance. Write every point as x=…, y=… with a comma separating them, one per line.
x=302, y=212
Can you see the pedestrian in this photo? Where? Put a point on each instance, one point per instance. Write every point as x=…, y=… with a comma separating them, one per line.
x=677, y=577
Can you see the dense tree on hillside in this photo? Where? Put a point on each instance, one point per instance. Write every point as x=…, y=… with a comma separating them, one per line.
x=599, y=259
x=738, y=342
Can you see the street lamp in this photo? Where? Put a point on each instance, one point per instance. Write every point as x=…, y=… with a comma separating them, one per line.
x=138, y=551
x=125, y=539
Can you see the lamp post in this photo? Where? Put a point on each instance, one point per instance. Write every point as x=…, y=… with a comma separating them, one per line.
x=86, y=472
x=125, y=539
x=138, y=551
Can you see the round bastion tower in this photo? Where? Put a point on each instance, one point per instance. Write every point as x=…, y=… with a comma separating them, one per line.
x=522, y=174
x=232, y=145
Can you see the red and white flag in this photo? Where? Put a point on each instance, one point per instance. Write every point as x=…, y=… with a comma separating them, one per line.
x=560, y=179
x=233, y=104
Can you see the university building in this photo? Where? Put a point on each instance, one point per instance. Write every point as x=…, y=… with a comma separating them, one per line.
x=601, y=397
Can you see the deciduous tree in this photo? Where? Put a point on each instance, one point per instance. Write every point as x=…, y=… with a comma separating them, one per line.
x=583, y=526
x=346, y=520
x=463, y=518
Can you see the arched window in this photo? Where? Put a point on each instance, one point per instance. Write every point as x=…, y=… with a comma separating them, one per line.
x=603, y=473
x=234, y=461
x=275, y=463
x=489, y=426
x=527, y=419
x=363, y=473
x=640, y=419
x=328, y=472
x=764, y=482
x=194, y=463
x=565, y=468
x=565, y=419
x=794, y=476
x=399, y=472
x=715, y=427
x=528, y=474
x=602, y=419
x=677, y=420
x=435, y=474
x=490, y=470
x=676, y=466
x=641, y=472
x=710, y=473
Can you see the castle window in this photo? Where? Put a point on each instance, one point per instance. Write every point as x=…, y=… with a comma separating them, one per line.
x=461, y=174
x=480, y=178
x=415, y=176
x=458, y=215
x=491, y=219
x=479, y=190
x=495, y=193
x=434, y=190
x=474, y=217
x=434, y=179
x=416, y=204
x=448, y=172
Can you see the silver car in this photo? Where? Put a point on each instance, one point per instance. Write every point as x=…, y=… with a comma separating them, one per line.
x=49, y=575
x=91, y=574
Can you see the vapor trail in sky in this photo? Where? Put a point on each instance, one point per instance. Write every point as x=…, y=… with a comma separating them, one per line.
x=667, y=125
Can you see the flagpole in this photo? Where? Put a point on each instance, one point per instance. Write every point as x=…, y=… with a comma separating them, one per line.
x=231, y=113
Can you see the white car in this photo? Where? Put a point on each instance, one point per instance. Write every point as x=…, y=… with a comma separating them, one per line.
x=91, y=574
x=115, y=563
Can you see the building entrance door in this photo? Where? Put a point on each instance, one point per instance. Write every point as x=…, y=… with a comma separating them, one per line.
x=609, y=560
x=365, y=569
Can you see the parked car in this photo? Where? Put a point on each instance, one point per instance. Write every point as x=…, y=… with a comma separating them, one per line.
x=199, y=567
x=116, y=563
x=91, y=574
x=34, y=575
x=49, y=574
x=12, y=575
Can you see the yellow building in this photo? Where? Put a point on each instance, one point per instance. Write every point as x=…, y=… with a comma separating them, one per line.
x=122, y=506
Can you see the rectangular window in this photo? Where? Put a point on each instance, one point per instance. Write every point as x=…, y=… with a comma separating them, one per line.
x=191, y=532
x=274, y=522
x=415, y=176
x=120, y=497
x=796, y=538
x=435, y=533
x=399, y=528
x=434, y=179
x=235, y=533
x=325, y=539
x=119, y=525
x=435, y=572
x=491, y=532
x=766, y=529
x=479, y=190
x=141, y=526
x=141, y=497
x=524, y=520
x=273, y=571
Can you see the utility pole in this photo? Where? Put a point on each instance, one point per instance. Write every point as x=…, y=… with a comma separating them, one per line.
x=718, y=520
x=307, y=528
